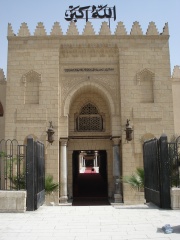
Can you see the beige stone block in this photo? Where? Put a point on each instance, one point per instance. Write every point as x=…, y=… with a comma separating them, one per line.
x=12, y=201
x=175, y=198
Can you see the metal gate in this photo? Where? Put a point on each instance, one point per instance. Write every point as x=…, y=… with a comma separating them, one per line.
x=23, y=168
x=12, y=165
x=174, y=159
x=35, y=174
x=157, y=172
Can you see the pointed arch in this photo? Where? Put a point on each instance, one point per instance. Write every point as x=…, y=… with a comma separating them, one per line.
x=89, y=108
x=144, y=73
x=145, y=80
x=32, y=81
x=100, y=89
x=89, y=119
x=31, y=75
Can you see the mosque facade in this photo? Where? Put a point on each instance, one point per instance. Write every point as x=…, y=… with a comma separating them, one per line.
x=88, y=88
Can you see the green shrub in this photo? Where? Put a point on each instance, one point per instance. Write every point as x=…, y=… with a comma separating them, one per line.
x=50, y=186
x=136, y=180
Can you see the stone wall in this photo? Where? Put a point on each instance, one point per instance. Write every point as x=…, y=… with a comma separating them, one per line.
x=176, y=97
x=12, y=201
x=2, y=103
x=127, y=76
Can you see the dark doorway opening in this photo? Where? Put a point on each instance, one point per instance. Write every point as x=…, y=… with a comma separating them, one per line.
x=90, y=178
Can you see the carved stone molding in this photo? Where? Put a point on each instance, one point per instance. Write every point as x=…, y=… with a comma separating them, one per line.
x=145, y=73
x=63, y=141
x=88, y=50
x=116, y=140
x=31, y=75
x=110, y=83
x=2, y=77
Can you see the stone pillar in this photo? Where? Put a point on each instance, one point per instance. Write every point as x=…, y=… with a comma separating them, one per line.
x=81, y=162
x=96, y=155
x=63, y=170
x=116, y=170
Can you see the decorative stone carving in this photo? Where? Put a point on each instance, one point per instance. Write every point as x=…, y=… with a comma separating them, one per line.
x=89, y=119
x=31, y=81
x=10, y=31
x=24, y=31
x=87, y=70
x=136, y=29
x=108, y=82
x=31, y=75
x=56, y=30
x=72, y=30
x=165, y=29
x=152, y=30
x=69, y=83
x=84, y=52
x=40, y=30
x=88, y=30
x=104, y=29
x=120, y=29
x=176, y=72
x=145, y=80
x=2, y=76
x=145, y=74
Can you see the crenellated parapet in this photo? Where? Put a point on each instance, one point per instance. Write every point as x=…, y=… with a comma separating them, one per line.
x=176, y=73
x=88, y=30
x=2, y=77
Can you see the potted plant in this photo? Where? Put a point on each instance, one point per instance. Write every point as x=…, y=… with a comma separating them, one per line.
x=136, y=180
x=50, y=188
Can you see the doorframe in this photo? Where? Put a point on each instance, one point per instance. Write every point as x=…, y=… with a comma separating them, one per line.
x=75, y=171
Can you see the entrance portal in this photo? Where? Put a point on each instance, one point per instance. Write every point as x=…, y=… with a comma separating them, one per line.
x=90, y=177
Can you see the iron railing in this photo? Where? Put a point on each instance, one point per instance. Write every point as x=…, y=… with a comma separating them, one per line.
x=12, y=165
x=174, y=160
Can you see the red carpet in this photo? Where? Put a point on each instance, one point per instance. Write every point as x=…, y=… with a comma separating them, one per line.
x=90, y=170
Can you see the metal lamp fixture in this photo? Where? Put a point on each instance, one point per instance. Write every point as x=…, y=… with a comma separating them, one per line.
x=128, y=131
x=50, y=133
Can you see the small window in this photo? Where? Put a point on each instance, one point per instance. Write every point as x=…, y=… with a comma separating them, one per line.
x=32, y=81
x=89, y=119
x=146, y=84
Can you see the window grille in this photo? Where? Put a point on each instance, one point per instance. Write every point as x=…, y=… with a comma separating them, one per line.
x=89, y=109
x=89, y=120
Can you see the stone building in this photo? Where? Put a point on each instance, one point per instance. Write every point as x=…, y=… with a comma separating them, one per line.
x=176, y=94
x=2, y=103
x=88, y=85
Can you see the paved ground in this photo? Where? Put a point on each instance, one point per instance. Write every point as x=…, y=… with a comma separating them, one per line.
x=90, y=223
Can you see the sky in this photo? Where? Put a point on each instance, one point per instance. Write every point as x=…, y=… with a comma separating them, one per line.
x=127, y=11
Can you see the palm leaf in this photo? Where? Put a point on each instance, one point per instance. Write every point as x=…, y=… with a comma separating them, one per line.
x=136, y=180
x=50, y=186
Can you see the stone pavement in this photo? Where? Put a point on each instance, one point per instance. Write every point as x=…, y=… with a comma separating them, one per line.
x=90, y=223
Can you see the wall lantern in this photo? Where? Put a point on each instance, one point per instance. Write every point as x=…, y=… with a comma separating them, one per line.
x=50, y=133
x=128, y=131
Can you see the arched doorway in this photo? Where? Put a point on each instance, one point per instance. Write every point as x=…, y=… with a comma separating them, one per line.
x=90, y=184
x=89, y=123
